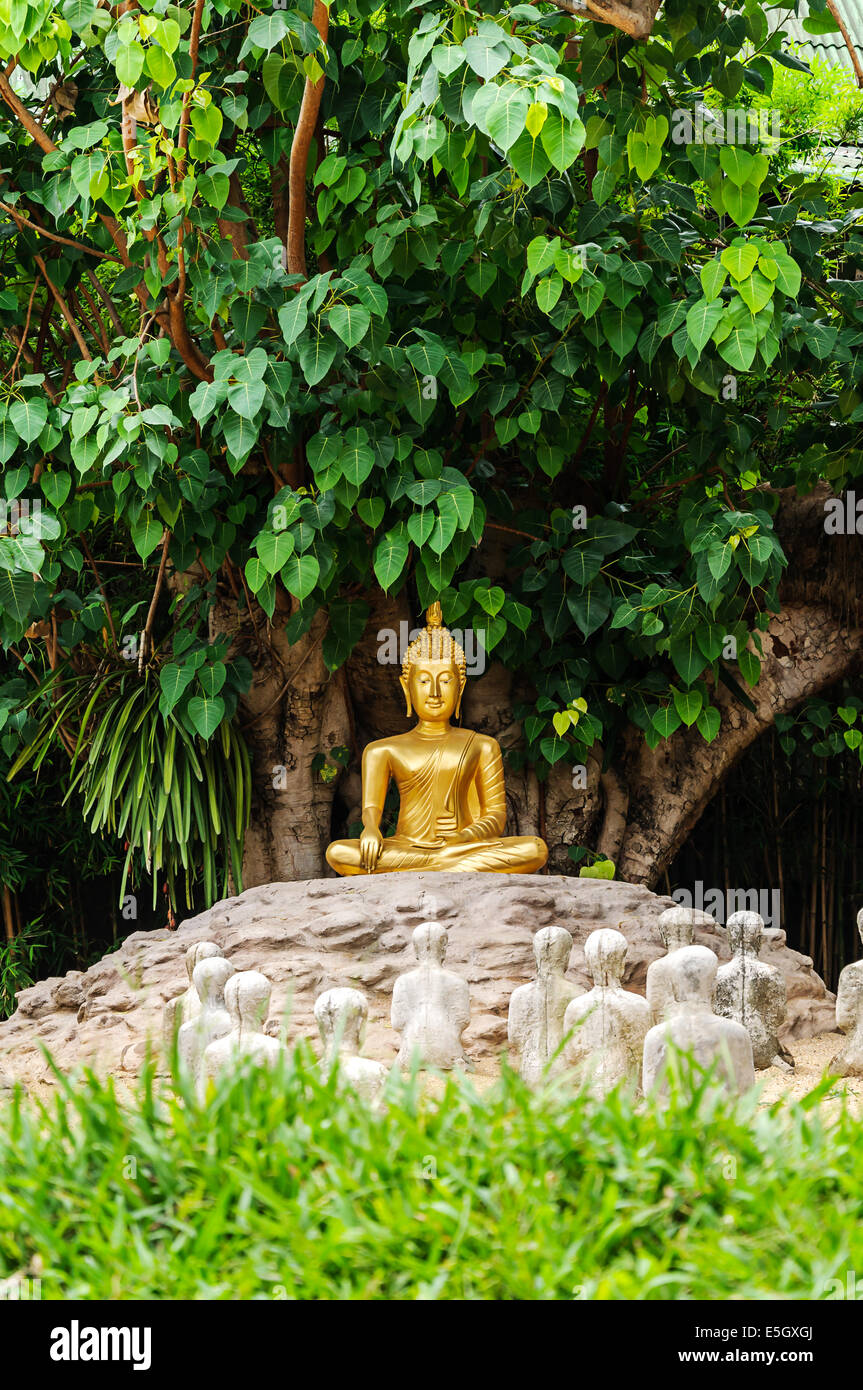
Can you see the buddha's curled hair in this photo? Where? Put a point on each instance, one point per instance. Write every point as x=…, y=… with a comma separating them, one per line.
x=434, y=643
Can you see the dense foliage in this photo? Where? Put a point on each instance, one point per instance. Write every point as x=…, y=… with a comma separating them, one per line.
x=284, y=1189
x=537, y=305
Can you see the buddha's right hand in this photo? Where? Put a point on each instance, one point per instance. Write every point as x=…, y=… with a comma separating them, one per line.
x=371, y=845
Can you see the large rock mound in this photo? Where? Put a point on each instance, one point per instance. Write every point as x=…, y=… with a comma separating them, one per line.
x=309, y=936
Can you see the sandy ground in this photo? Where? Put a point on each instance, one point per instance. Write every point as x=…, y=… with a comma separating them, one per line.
x=812, y=1058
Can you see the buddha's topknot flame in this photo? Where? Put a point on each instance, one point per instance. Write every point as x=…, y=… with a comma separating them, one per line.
x=434, y=643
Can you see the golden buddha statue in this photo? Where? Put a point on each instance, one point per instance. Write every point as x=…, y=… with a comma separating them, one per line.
x=450, y=780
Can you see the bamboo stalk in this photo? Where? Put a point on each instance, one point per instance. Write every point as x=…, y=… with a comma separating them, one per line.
x=7, y=913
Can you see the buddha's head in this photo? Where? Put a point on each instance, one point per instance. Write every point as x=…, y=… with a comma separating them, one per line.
x=433, y=672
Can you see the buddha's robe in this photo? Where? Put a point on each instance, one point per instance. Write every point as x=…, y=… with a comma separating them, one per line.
x=451, y=785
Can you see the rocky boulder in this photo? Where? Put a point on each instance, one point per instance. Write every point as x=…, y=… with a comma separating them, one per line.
x=310, y=936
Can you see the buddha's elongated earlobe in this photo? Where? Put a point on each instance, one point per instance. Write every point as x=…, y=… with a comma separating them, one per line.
x=405, y=687
x=460, y=693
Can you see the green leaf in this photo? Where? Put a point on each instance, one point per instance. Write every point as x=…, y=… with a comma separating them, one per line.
x=740, y=259
x=146, y=533
x=749, y=666
x=529, y=159
x=713, y=277
x=621, y=327
x=300, y=574
x=293, y=318
x=562, y=139
x=274, y=548
x=371, y=511
x=688, y=705
x=28, y=418
x=129, y=63
x=247, y=398
x=688, y=659
x=739, y=348
x=206, y=714
x=390, y=556
x=350, y=322
x=485, y=59
x=174, y=680
x=16, y=594
x=737, y=164
x=701, y=320
x=590, y=609
x=666, y=720
x=505, y=120
x=347, y=620
x=582, y=563
x=741, y=204
x=316, y=358
x=708, y=723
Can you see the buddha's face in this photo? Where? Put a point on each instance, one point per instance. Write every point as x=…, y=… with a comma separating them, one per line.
x=433, y=689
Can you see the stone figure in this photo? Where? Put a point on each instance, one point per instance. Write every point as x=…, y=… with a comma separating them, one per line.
x=209, y=979
x=341, y=1018
x=247, y=1002
x=694, y=1028
x=535, y=1027
x=849, y=1016
x=752, y=992
x=676, y=928
x=450, y=780
x=186, y=1007
x=431, y=1006
x=605, y=1028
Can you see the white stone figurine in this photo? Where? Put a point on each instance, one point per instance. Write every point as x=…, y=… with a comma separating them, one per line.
x=183, y=1008
x=676, y=928
x=694, y=1028
x=431, y=1006
x=247, y=1001
x=341, y=1018
x=753, y=993
x=535, y=1026
x=209, y=978
x=606, y=1027
x=849, y=1016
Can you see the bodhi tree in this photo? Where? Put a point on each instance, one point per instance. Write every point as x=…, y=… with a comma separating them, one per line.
x=311, y=317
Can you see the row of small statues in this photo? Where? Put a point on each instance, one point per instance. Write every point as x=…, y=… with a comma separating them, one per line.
x=728, y=1017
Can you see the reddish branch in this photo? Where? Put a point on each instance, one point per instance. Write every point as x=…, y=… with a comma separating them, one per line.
x=300, y=147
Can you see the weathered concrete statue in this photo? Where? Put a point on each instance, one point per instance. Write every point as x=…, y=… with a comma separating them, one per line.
x=849, y=1016
x=186, y=1007
x=247, y=1001
x=676, y=930
x=450, y=780
x=606, y=1027
x=209, y=979
x=341, y=1018
x=535, y=1026
x=694, y=1028
x=431, y=1006
x=753, y=993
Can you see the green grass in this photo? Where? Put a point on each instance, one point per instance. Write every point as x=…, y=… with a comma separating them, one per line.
x=280, y=1188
